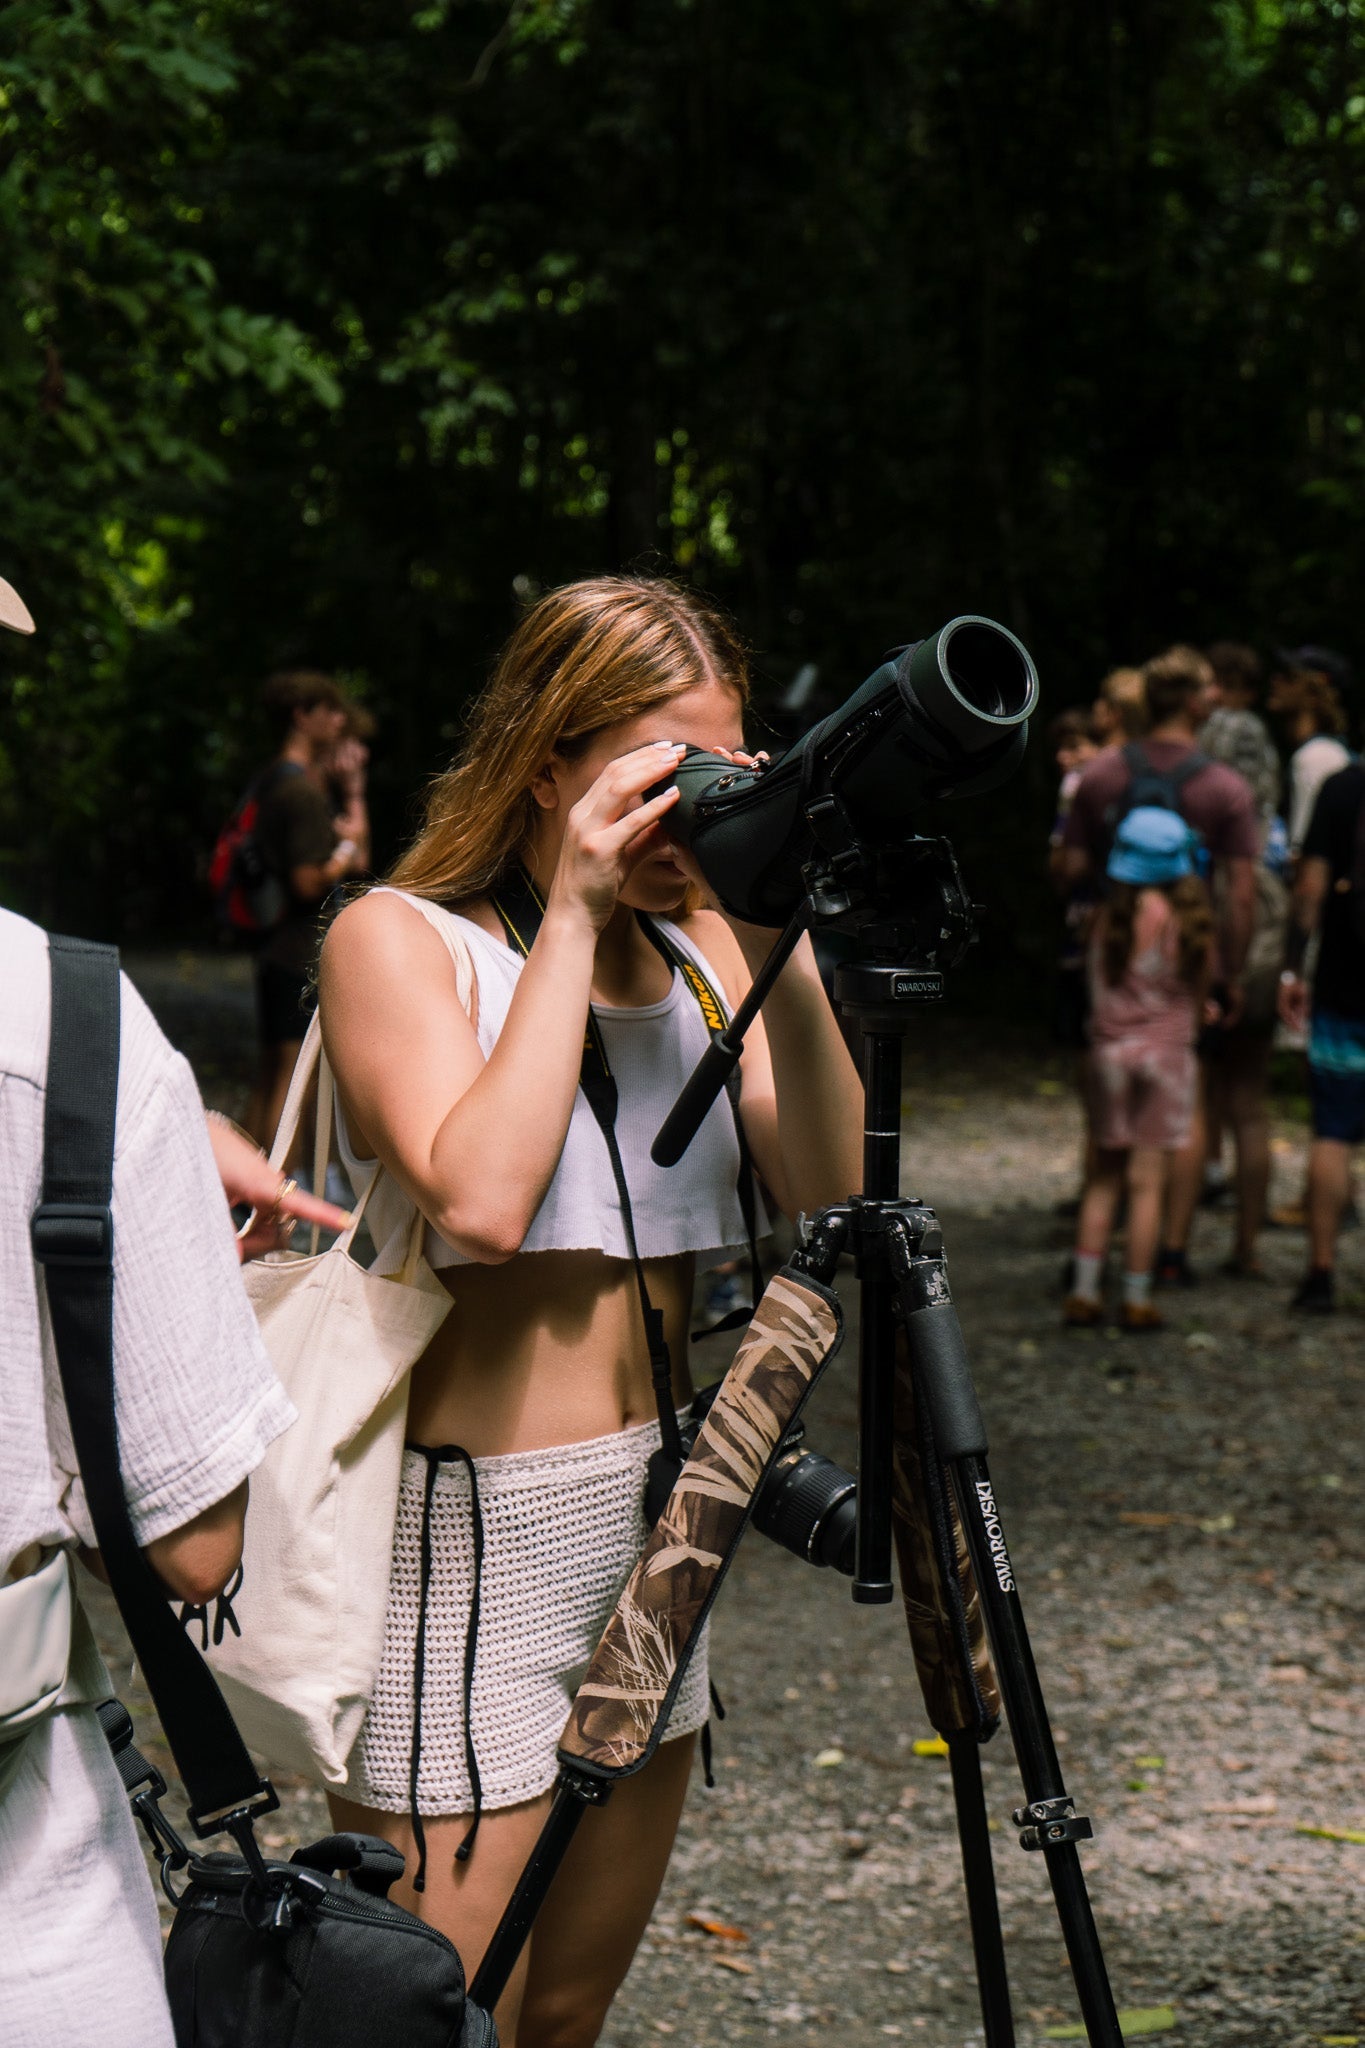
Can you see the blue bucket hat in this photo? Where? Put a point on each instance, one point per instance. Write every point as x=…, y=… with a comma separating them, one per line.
x=1152, y=846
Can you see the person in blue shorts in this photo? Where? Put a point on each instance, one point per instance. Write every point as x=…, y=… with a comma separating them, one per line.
x=1329, y=897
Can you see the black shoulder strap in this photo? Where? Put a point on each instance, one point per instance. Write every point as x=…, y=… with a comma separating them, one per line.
x=713, y=1011
x=72, y=1234
x=1185, y=771
x=521, y=908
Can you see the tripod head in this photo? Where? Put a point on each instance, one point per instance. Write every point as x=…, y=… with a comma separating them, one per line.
x=905, y=904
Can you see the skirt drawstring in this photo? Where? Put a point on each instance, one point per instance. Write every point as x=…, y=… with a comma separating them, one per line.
x=436, y=1456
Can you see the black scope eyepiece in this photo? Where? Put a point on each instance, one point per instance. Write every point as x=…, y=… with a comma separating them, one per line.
x=947, y=717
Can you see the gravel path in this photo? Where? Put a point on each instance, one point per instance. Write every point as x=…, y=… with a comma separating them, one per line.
x=1178, y=1509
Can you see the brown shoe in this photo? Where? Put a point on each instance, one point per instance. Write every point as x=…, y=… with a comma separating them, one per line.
x=1140, y=1316
x=1081, y=1313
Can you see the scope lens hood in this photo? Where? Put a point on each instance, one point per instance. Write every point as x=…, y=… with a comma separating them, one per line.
x=946, y=717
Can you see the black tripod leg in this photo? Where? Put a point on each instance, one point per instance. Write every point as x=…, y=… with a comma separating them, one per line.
x=978, y=1871
x=1048, y=1822
x=574, y=1794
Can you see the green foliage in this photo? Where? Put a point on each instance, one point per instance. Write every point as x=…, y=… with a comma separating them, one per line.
x=329, y=332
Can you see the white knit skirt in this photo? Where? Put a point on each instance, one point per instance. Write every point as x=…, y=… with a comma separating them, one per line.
x=562, y=1529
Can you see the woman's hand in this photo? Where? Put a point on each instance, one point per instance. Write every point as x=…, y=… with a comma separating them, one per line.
x=606, y=831
x=249, y=1179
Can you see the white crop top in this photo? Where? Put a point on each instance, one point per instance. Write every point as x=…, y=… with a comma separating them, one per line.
x=690, y=1207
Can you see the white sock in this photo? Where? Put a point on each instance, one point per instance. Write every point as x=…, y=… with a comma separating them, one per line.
x=1137, y=1289
x=1086, y=1268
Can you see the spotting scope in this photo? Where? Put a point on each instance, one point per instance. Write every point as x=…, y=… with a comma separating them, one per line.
x=947, y=717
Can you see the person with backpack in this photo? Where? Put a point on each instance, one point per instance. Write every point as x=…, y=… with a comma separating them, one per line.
x=302, y=849
x=1169, y=771
x=198, y=1403
x=1150, y=962
x=1329, y=899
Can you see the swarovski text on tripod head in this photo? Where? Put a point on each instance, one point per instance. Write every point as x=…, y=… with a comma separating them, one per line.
x=948, y=717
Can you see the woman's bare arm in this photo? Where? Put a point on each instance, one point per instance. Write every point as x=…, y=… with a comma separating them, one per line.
x=802, y=1100
x=476, y=1143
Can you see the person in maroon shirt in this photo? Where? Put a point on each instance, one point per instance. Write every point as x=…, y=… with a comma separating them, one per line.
x=1219, y=804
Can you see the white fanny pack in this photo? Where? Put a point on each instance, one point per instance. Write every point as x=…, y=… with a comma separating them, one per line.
x=36, y=1619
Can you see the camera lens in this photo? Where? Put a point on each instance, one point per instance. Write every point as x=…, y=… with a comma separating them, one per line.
x=807, y=1504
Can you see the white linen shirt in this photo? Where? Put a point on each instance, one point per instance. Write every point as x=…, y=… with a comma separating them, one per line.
x=197, y=1398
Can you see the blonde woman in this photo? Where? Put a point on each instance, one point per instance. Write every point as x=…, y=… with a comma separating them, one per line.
x=532, y=1414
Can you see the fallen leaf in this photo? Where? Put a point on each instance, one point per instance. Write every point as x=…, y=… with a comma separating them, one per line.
x=1333, y=1834
x=1136, y=1518
x=735, y=1963
x=828, y=1759
x=719, y=1928
x=1287, y=1674
x=896, y=1969
x=1339, y=2040
x=1147, y=2019
x=1150, y=1763
x=931, y=1745
x=1218, y=1525
x=1264, y=1802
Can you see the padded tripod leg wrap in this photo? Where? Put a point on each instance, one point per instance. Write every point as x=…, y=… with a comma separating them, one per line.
x=942, y=1604
x=623, y=1703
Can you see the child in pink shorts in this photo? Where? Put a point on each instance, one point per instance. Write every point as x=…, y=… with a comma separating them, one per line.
x=1150, y=966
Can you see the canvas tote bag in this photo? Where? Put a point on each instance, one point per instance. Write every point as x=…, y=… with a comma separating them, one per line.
x=319, y=1531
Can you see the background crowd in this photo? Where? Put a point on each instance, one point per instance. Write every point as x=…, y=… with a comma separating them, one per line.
x=1213, y=908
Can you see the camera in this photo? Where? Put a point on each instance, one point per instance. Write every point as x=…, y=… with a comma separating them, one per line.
x=946, y=717
x=806, y=1503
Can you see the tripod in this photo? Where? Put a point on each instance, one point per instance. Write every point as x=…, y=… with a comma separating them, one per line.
x=922, y=1447
x=927, y=1393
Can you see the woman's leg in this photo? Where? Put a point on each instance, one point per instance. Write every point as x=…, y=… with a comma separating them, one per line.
x=1146, y=1183
x=590, y=1925
x=465, y=1900
x=598, y=1907
x=1099, y=1203
x=1247, y=1067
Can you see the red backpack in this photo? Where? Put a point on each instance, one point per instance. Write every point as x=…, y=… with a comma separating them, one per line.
x=249, y=898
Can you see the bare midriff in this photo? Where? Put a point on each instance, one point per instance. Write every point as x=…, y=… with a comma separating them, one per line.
x=547, y=1349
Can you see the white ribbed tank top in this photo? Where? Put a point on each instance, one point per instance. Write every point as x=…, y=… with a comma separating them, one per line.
x=690, y=1207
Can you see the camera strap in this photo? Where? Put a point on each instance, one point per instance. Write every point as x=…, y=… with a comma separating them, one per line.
x=72, y=1235
x=521, y=909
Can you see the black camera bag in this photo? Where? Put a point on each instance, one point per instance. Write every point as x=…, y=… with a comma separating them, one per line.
x=262, y=1954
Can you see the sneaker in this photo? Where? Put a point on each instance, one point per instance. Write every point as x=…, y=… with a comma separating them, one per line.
x=1315, y=1295
x=1173, y=1269
x=1081, y=1313
x=1139, y=1317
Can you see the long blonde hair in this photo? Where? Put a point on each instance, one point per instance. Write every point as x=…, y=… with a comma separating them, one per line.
x=583, y=657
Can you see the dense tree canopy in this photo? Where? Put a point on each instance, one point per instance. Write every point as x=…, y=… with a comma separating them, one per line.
x=326, y=333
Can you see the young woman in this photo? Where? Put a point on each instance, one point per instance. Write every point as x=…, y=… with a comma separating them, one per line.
x=1150, y=964
x=540, y=1375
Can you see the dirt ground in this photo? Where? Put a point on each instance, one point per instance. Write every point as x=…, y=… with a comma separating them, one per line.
x=1180, y=1514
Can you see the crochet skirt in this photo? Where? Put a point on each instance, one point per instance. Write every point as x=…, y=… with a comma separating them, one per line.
x=560, y=1531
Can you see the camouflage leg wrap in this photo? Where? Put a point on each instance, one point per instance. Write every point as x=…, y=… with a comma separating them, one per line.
x=638, y=1666
x=942, y=1605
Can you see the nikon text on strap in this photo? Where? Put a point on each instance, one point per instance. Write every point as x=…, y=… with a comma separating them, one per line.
x=72, y=1234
